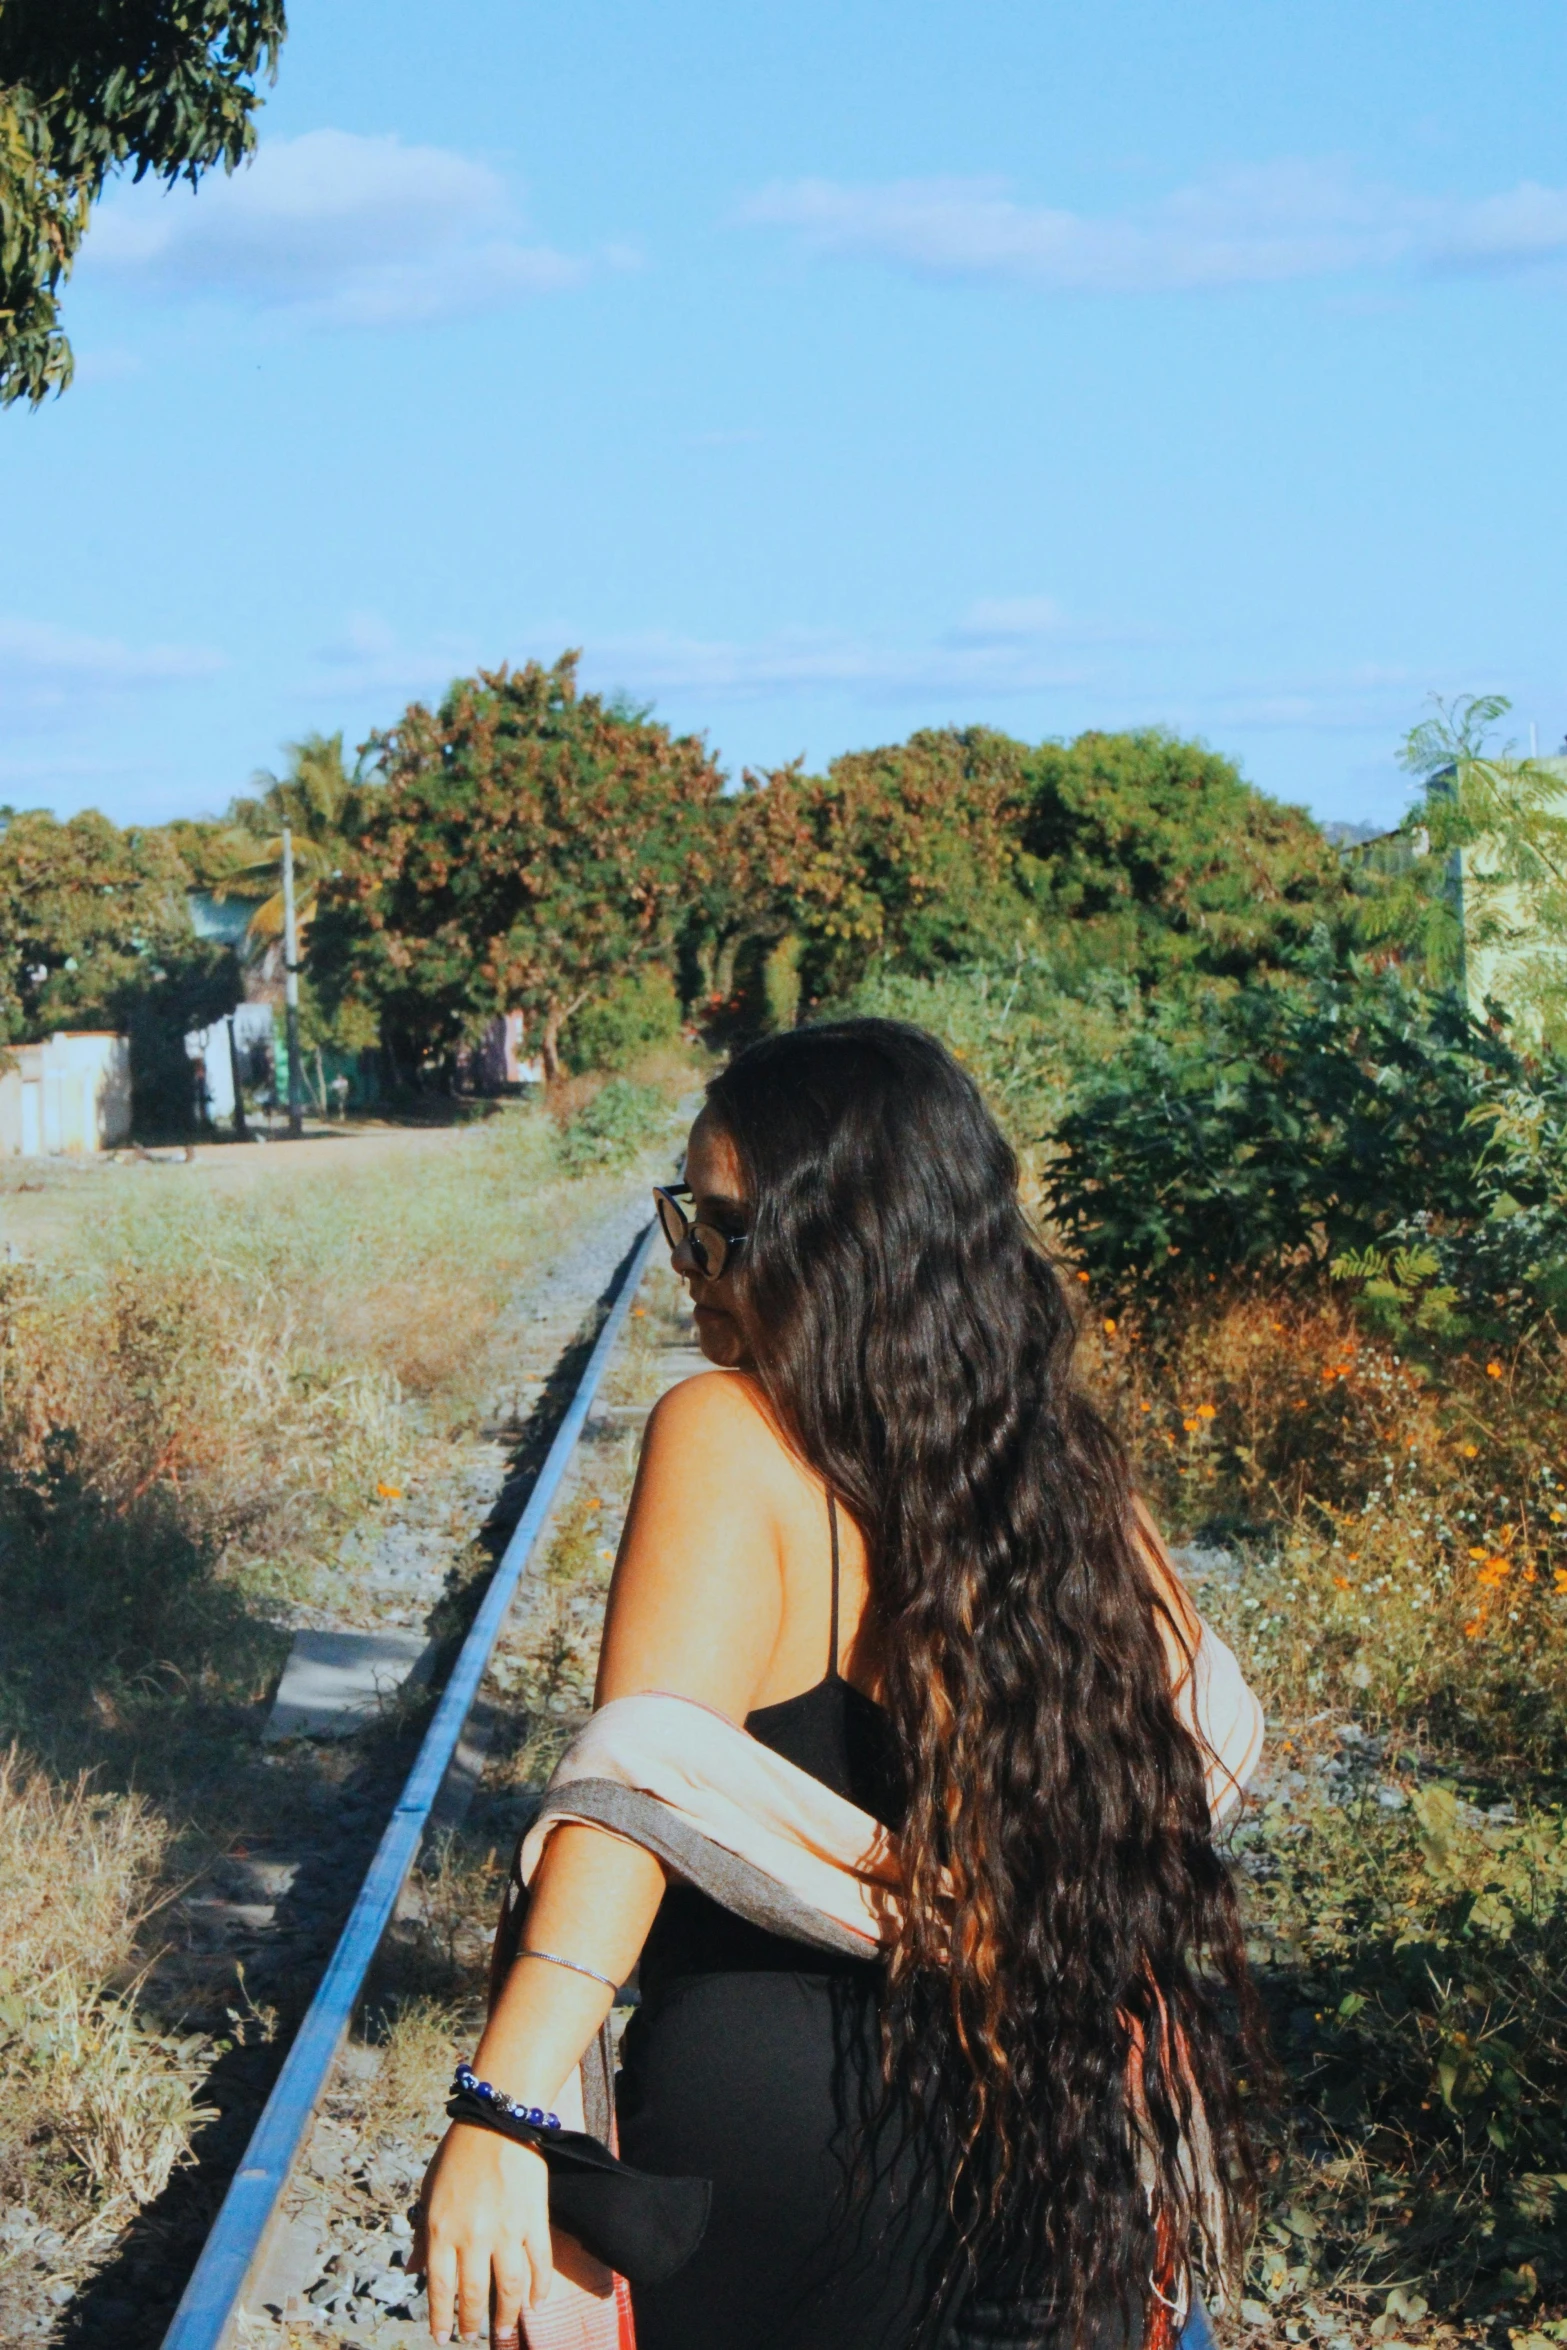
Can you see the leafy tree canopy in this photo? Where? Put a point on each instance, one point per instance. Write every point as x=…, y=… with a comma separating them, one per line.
x=1169, y=857
x=87, y=86
x=85, y=909
x=95, y=932
x=904, y=851
x=531, y=846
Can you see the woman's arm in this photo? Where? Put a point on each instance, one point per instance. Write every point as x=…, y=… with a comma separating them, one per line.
x=695, y=1608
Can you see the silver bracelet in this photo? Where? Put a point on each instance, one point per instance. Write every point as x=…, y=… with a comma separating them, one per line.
x=571, y=1966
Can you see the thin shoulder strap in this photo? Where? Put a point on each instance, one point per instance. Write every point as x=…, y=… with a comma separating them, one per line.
x=832, y=1527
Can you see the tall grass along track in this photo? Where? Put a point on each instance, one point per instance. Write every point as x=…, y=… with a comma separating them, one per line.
x=334, y=2266
x=323, y=1406
x=205, y=2314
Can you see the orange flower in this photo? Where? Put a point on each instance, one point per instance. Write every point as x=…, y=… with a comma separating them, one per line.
x=1148, y=1407
x=639, y=1313
x=1561, y=1579
x=1082, y=1276
x=1469, y=1451
x=1475, y=1626
x=1188, y=1425
x=1493, y=1370
x=1207, y=1411
x=389, y=1492
x=1109, y=1328
x=1341, y=1582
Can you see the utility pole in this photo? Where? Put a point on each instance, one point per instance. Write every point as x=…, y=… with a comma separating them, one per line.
x=296, y=1075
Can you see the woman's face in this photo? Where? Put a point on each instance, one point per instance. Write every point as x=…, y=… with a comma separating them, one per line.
x=718, y=1197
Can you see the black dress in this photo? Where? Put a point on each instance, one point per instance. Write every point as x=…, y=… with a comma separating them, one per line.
x=755, y=2062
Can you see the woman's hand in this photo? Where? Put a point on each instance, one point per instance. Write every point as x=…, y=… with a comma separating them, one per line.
x=486, y=2214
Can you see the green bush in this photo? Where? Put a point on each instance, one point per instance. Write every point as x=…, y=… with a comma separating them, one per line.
x=1026, y=1031
x=638, y=1012
x=613, y=1127
x=1314, y=1119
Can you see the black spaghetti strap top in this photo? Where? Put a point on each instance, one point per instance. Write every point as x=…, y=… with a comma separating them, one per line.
x=835, y=1731
x=844, y=1739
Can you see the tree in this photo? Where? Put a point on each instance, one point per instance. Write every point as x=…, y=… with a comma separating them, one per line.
x=905, y=851
x=1167, y=857
x=530, y=847
x=88, y=86
x=95, y=931
x=322, y=803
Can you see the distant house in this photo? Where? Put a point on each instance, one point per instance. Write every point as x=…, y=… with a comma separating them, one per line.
x=224, y=920
x=243, y=1042
x=500, y=1060
x=70, y=1095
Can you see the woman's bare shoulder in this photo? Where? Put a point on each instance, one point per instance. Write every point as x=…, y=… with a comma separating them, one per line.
x=713, y=1404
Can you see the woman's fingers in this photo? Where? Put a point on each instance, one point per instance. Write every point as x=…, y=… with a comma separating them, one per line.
x=473, y=2290
x=440, y=2279
x=511, y=2289
x=541, y=2259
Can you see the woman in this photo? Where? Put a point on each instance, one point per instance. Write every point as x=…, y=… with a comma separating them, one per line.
x=888, y=1536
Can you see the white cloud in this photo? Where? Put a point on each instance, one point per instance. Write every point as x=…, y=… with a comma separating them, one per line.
x=1258, y=226
x=43, y=668
x=1012, y=646
x=368, y=656
x=336, y=228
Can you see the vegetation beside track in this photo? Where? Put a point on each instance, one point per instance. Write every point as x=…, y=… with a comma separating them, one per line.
x=202, y=1398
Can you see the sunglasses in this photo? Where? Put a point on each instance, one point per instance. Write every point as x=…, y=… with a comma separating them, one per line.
x=709, y=1247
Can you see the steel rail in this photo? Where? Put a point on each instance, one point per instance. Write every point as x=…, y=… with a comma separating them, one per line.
x=217, y=2283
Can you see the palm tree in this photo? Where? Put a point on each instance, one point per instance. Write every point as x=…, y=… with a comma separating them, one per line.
x=318, y=798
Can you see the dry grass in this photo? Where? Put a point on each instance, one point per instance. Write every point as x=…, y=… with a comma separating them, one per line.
x=196, y=1404
x=96, y=2109
x=1409, y=1518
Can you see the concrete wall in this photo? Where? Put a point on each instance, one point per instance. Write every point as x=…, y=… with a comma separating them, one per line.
x=70, y=1095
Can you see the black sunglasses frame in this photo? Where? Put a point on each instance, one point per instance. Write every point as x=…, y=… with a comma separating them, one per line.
x=691, y=1230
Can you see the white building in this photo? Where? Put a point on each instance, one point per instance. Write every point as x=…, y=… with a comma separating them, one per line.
x=71, y=1094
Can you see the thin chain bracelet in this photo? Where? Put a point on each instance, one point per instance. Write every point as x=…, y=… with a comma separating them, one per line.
x=465, y=2082
x=573, y=1966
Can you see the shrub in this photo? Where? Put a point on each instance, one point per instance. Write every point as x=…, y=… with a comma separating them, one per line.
x=1300, y=1121
x=1394, y=1578
x=608, y=1132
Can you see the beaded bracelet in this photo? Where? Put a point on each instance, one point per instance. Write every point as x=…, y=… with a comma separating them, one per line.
x=466, y=2083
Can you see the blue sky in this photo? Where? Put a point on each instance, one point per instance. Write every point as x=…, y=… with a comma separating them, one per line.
x=823, y=372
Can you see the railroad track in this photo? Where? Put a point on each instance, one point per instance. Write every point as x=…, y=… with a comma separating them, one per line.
x=285, y=2260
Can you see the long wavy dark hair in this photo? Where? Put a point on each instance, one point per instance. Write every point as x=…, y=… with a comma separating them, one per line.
x=1069, y=1923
